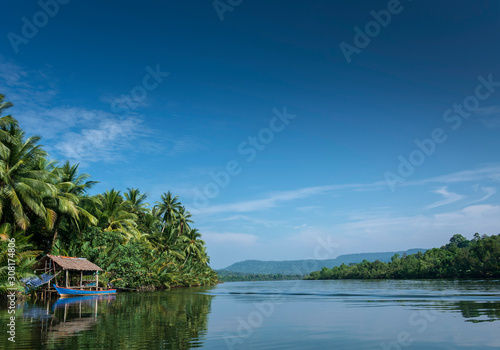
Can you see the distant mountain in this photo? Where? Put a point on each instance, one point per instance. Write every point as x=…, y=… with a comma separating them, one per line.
x=301, y=267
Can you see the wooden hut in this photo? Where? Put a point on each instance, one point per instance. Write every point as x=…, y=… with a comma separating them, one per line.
x=72, y=268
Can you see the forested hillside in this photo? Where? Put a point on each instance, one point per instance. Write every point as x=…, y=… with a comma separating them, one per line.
x=301, y=267
x=460, y=258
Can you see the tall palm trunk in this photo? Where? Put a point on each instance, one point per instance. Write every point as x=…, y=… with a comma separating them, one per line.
x=56, y=229
x=180, y=231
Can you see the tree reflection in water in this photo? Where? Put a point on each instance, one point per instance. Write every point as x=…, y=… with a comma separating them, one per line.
x=176, y=319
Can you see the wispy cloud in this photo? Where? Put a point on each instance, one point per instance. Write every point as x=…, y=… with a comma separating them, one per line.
x=274, y=199
x=11, y=73
x=489, y=116
x=488, y=192
x=102, y=142
x=448, y=198
x=490, y=110
x=412, y=231
x=78, y=133
x=486, y=173
x=17, y=83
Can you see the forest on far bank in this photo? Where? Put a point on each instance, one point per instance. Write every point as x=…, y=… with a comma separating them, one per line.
x=460, y=258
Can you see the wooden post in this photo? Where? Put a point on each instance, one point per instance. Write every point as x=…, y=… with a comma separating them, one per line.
x=81, y=278
x=67, y=285
x=97, y=280
x=55, y=274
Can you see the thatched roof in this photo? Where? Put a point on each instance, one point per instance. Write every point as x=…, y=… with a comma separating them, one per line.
x=69, y=263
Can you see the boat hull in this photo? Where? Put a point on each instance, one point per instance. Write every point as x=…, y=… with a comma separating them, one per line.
x=68, y=292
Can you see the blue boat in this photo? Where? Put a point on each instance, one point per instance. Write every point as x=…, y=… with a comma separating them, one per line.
x=69, y=292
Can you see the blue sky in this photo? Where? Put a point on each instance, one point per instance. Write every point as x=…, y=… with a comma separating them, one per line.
x=274, y=136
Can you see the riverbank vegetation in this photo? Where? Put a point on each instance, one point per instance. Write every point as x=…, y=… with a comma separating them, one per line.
x=231, y=276
x=46, y=207
x=460, y=258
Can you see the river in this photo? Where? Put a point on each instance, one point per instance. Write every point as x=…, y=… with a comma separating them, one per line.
x=349, y=314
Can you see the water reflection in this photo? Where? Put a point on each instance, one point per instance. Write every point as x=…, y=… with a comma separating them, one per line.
x=159, y=320
x=477, y=312
x=308, y=314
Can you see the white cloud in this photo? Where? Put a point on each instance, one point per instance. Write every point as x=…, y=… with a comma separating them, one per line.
x=25, y=88
x=449, y=197
x=486, y=173
x=275, y=198
x=11, y=73
x=488, y=192
x=78, y=133
x=489, y=116
x=420, y=231
x=101, y=142
x=490, y=110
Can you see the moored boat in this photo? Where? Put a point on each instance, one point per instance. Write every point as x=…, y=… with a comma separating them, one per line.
x=70, y=292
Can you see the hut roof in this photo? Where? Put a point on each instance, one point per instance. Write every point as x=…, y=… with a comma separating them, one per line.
x=71, y=263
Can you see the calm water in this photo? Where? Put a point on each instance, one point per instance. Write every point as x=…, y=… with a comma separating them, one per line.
x=271, y=315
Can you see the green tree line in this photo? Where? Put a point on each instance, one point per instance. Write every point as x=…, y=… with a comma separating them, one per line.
x=45, y=207
x=460, y=258
x=231, y=276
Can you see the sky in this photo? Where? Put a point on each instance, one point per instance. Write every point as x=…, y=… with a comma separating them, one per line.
x=290, y=129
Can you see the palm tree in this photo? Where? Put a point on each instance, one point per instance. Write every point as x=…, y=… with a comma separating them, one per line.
x=136, y=200
x=194, y=246
x=168, y=208
x=70, y=189
x=166, y=242
x=23, y=185
x=6, y=123
x=183, y=219
x=113, y=215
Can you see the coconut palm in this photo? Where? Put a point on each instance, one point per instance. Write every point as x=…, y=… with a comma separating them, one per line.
x=113, y=215
x=168, y=208
x=6, y=123
x=23, y=185
x=136, y=200
x=193, y=245
x=183, y=219
x=66, y=203
x=168, y=243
